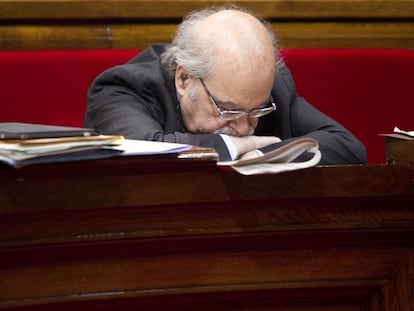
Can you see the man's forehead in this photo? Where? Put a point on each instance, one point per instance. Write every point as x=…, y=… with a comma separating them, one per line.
x=228, y=97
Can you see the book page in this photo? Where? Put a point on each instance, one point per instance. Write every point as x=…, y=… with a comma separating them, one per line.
x=285, y=157
x=283, y=154
x=273, y=168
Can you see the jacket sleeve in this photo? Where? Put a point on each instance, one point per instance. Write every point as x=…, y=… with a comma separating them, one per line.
x=126, y=100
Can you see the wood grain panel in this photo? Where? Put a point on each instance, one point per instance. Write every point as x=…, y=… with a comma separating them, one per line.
x=292, y=34
x=139, y=36
x=54, y=37
x=293, y=276
x=346, y=34
x=159, y=233
x=175, y=9
x=89, y=24
x=276, y=9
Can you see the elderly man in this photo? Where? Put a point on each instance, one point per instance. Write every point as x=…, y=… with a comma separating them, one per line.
x=220, y=84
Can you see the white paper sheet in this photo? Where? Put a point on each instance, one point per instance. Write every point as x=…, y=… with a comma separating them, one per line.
x=132, y=147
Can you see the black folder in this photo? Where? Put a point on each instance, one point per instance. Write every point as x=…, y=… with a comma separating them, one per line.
x=18, y=130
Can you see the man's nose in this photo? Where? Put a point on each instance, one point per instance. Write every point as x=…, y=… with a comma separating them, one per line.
x=243, y=125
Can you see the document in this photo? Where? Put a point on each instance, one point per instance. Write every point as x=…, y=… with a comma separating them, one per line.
x=130, y=147
x=401, y=134
x=19, y=153
x=46, y=145
x=409, y=133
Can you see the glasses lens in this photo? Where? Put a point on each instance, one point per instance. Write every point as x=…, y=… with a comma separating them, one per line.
x=231, y=115
x=261, y=112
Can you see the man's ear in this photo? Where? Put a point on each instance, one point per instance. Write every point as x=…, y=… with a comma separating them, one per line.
x=181, y=80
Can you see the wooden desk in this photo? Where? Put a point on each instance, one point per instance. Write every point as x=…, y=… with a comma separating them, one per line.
x=159, y=233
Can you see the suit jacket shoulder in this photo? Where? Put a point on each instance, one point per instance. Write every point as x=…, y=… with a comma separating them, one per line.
x=139, y=101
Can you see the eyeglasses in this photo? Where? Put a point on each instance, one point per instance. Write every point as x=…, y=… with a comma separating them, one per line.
x=236, y=114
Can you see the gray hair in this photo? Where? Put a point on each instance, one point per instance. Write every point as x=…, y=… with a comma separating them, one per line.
x=194, y=53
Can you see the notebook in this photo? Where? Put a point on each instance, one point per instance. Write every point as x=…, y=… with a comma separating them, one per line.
x=18, y=130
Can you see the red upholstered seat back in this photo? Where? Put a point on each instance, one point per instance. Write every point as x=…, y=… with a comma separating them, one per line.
x=369, y=91
x=50, y=86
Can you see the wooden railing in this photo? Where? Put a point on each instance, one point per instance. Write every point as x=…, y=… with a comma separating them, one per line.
x=159, y=233
x=111, y=24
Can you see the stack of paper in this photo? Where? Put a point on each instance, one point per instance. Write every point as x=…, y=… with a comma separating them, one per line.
x=21, y=144
x=45, y=150
x=404, y=134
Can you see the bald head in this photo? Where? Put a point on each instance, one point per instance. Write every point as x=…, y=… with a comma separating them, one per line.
x=226, y=54
x=240, y=40
x=218, y=34
x=238, y=34
x=244, y=54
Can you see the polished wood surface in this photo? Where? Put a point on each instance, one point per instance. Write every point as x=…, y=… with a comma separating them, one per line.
x=103, y=24
x=175, y=9
x=160, y=233
x=399, y=150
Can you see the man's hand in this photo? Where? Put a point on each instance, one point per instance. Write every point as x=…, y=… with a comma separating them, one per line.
x=249, y=143
x=250, y=155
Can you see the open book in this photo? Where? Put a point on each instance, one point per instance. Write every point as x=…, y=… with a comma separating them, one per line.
x=292, y=154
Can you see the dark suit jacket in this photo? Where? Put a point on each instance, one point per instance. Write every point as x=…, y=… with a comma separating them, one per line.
x=137, y=100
